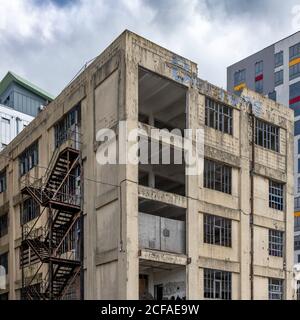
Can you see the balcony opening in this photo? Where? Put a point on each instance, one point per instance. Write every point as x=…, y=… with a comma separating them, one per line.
x=162, y=102
x=161, y=281
x=162, y=227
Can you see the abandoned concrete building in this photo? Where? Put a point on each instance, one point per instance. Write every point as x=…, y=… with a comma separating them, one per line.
x=74, y=229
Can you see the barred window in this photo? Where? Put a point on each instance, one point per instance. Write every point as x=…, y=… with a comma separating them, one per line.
x=2, y=181
x=30, y=210
x=267, y=135
x=275, y=195
x=217, y=230
x=275, y=289
x=29, y=158
x=218, y=116
x=217, y=176
x=3, y=225
x=276, y=243
x=217, y=284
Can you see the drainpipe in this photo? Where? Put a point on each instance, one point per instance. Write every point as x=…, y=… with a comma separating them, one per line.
x=252, y=205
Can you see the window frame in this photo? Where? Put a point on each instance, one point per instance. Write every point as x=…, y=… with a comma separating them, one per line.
x=267, y=135
x=276, y=195
x=273, y=285
x=213, y=277
x=276, y=243
x=217, y=176
x=217, y=230
x=218, y=116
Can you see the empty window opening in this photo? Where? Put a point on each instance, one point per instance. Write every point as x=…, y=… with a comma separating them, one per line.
x=162, y=102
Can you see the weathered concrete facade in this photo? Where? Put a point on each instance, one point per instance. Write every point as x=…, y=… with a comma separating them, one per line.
x=133, y=80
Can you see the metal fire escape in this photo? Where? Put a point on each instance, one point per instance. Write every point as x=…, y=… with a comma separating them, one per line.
x=55, y=238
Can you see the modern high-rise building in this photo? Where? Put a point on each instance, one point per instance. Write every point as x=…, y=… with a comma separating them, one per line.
x=20, y=102
x=275, y=72
x=217, y=225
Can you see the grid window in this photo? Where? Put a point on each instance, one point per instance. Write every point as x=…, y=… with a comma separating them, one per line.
x=275, y=195
x=294, y=71
x=239, y=77
x=217, y=284
x=4, y=261
x=297, y=225
x=275, y=243
x=259, y=67
x=298, y=185
x=297, y=243
x=217, y=230
x=218, y=116
x=30, y=210
x=299, y=146
x=297, y=130
x=2, y=181
x=66, y=128
x=259, y=86
x=297, y=203
x=295, y=51
x=3, y=225
x=298, y=288
x=278, y=59
x=278, y=78
x=29, y=158
x=298, y=165
x=275, y=289
x=267, y=135
x=217, y=176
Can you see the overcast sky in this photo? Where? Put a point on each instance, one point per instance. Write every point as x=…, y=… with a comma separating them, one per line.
x=47, y=42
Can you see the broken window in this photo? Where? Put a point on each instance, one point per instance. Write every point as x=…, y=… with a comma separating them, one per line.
x=217, y=284
x=275, y=195
x=276, y=243
x=275, y=289
x=218, y=116
x=217, y=176
x=217, y=230
x=267, y=135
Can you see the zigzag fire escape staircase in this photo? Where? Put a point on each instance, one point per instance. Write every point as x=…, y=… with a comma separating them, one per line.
x=49, y=243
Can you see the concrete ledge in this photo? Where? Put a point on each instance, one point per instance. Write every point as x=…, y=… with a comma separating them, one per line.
x=163, y=257
x=223, y=265
x=267, y=172
x=218, y=210
x=269, y=223
x=269, y=272
x=222, y=156
x=162, y=196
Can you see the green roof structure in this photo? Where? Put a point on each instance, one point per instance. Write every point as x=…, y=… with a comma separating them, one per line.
x=12, y=77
